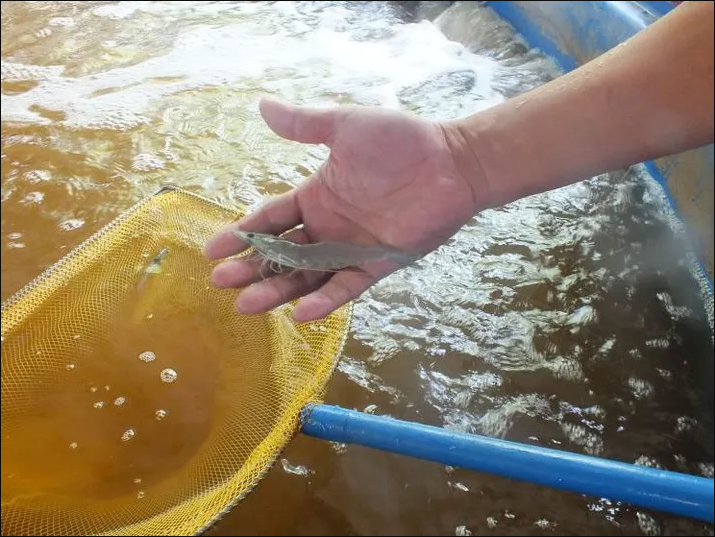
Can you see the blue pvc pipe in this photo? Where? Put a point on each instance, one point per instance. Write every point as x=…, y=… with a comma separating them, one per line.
x=659, y=490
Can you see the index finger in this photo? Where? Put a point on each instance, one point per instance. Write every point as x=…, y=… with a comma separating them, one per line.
x=277, y=215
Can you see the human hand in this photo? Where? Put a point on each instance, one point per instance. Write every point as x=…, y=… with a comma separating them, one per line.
x=391, y=179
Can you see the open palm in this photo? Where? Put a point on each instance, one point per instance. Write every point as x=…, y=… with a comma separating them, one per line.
x=390, y=180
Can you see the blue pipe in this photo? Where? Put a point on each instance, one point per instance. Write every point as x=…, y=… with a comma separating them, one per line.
x=650, y=488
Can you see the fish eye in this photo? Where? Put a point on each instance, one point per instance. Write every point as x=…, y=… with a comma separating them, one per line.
x=250, y=235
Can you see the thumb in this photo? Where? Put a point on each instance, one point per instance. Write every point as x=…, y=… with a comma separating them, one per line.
x=301, y=123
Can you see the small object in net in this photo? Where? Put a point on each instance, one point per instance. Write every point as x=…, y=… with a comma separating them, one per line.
x=199, y=443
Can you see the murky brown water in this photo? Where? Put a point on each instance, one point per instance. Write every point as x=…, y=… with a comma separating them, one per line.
x=569, y=319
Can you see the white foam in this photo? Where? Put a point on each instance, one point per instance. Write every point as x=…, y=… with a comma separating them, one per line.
x=322, y=61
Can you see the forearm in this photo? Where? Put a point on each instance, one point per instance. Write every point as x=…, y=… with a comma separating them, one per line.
x=648, y=98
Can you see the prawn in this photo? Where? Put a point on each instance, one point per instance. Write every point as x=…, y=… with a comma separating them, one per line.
x=320, y=256
x=153, y=268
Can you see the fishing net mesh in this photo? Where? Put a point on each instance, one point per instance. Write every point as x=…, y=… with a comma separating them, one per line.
x=139, y=402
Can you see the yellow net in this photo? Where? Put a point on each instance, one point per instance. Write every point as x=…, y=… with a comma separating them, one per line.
x=135, y=399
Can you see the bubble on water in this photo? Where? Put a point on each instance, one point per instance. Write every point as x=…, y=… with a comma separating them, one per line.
x=70, y=366
x=462, y=531
x=119, y=401
x=128, y=435
x=160, y=414
x=73, y=445
x=492, y=522
x=14, y=236
x=93, y=389
x=137, y=480
x=147, y=356
x=106, y=387
x=149, y=315
x=99, y=404
x=140, y=495
x=168, y=375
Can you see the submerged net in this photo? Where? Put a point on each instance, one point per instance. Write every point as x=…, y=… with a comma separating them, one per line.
x=135, y=399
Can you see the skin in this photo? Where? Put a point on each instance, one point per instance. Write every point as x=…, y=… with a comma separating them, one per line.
x=398, y=180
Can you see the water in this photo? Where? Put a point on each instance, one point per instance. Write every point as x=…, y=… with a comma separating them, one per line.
x=569, y=319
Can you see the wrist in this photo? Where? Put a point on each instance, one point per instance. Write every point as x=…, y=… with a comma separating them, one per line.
x=464, y=144
x=498, y=154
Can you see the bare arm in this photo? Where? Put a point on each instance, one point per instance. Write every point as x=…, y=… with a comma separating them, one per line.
x=647, y=98
x=651, y=97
